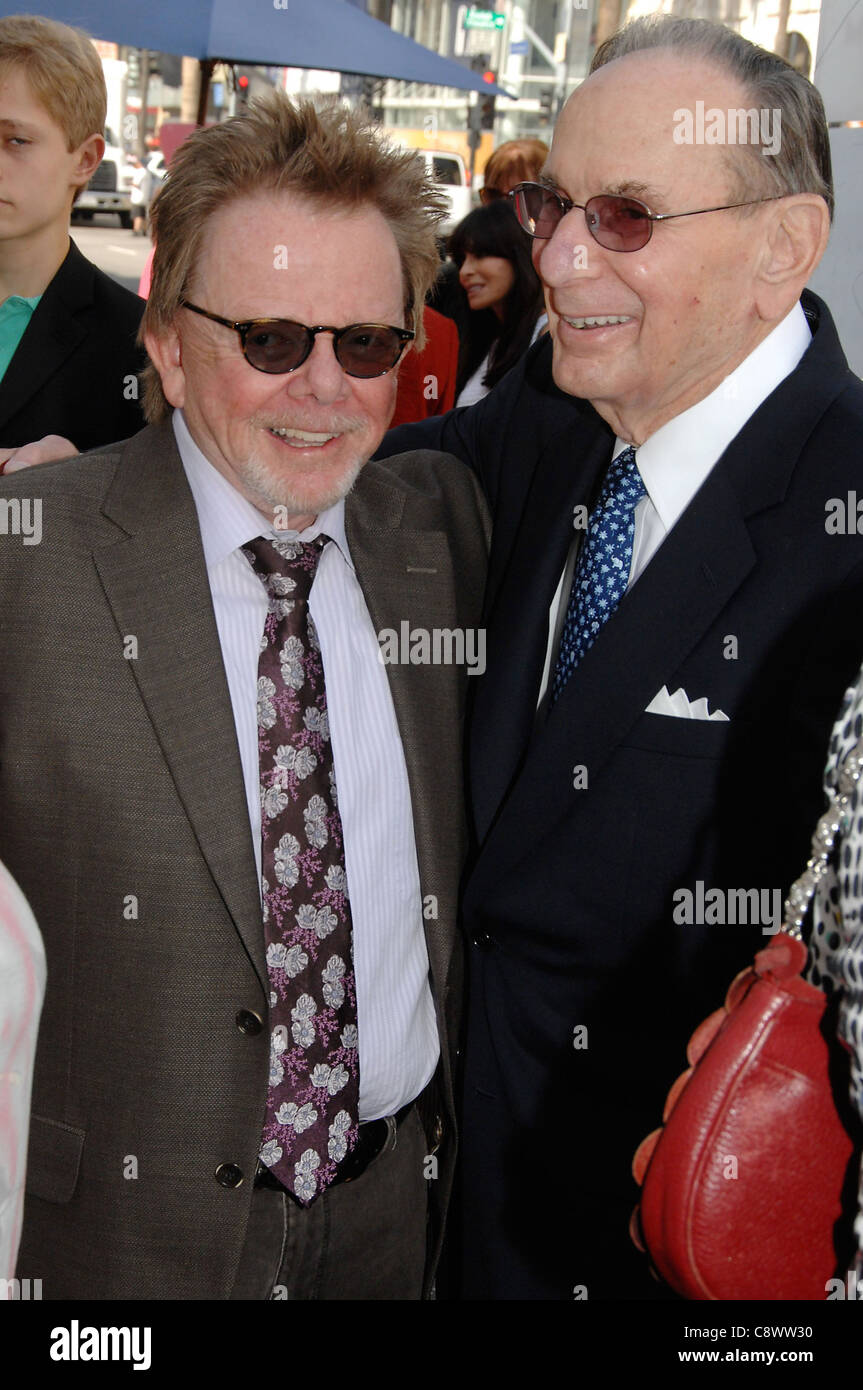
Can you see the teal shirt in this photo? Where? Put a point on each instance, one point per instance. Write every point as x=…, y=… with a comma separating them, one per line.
x=15, y=314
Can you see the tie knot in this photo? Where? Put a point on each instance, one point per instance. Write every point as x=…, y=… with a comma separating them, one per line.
x=285, y=567
x=623, y=482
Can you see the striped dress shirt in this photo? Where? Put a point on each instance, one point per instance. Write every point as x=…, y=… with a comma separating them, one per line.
x=398, y=1038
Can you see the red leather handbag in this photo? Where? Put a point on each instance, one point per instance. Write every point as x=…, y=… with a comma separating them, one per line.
x=742, y=1188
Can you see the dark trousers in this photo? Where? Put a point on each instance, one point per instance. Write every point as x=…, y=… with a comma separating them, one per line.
x=364, y=1239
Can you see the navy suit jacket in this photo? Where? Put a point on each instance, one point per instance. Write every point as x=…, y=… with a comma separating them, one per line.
x=584, y=988
x=71, y=372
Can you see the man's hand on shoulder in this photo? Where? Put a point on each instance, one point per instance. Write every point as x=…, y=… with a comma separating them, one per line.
x=53, y=446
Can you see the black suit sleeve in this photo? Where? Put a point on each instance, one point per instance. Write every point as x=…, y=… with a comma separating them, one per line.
x=73, y=372
x=503, y=435
x=480, y=435
x=460, y=432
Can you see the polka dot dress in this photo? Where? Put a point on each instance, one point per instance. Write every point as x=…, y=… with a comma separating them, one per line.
x=836, y=943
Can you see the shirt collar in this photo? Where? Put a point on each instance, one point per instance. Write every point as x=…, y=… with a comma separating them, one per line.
x=19, y=304
x=676, y=460
x=227, y=520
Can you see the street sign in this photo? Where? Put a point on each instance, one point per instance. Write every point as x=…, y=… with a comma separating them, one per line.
x=520, y=48
x=483, y=19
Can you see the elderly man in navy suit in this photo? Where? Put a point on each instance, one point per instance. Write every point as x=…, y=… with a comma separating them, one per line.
x=671, y=624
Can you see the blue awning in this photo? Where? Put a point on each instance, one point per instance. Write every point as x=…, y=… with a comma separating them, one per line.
x=327, y=34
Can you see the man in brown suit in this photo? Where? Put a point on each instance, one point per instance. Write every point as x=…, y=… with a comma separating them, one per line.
x=163, y=1161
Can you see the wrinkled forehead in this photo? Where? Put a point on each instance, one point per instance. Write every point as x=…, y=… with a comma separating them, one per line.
x=626, y=127
x=279, y=248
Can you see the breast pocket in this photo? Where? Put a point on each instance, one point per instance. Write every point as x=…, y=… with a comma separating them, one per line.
x=53, y=1159
x=687, y=738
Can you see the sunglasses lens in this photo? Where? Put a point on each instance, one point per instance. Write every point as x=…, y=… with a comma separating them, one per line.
x=279, y=346
x=368, y=349
x=537, y=209
x=364, y=349
x=617, y=223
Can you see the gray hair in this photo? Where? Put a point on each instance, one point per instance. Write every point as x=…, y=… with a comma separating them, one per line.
x=802, y=162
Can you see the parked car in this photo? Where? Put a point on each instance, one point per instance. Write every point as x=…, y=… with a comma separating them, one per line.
x=449, y=171
x=109, y=188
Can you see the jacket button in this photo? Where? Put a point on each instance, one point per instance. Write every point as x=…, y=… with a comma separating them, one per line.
x=229, y=1175
x=482, y=939
x=249, y=1022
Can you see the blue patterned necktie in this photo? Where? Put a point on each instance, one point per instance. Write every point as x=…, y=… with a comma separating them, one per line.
x=602, y=570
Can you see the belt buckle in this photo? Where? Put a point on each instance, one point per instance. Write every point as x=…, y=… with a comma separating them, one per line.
x=356, y=1162
x=365, y=1153
x=264, y=1177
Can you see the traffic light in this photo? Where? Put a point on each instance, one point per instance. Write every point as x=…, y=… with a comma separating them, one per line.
x=133, y=69
x=241, y=83
x=170, y=66
x=486, y=103
x=545, y=100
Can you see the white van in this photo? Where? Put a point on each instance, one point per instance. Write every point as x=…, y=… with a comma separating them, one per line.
x=448, y=170
x=110, y=186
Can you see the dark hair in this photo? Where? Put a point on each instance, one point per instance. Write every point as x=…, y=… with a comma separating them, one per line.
x=494, y=231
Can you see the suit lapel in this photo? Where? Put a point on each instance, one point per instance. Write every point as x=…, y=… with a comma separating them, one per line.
x=666, y=613
x=658, y=623
x=505, y=709
x=51, y=336
x=156, y=584
x=405, y=571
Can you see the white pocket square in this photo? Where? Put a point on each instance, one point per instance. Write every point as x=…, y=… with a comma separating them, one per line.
x=679, y=706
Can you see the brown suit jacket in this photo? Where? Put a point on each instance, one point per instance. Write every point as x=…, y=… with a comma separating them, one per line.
x=123, y=817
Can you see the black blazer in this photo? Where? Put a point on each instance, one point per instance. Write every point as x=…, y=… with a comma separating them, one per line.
x=71, y=373
x=570, y=898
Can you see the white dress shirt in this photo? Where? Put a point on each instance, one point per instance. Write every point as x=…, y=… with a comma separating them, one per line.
x=676, y=460
x=22, y=987
x=398, y=1038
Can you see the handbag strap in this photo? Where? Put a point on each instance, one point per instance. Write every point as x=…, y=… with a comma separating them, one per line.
x=833, y=820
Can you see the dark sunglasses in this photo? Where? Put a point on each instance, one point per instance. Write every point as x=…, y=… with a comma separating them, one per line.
x=614, y=221
x=280, y=345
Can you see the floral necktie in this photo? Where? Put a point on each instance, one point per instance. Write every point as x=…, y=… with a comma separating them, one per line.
x=602, y=569
x=313, y=1099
